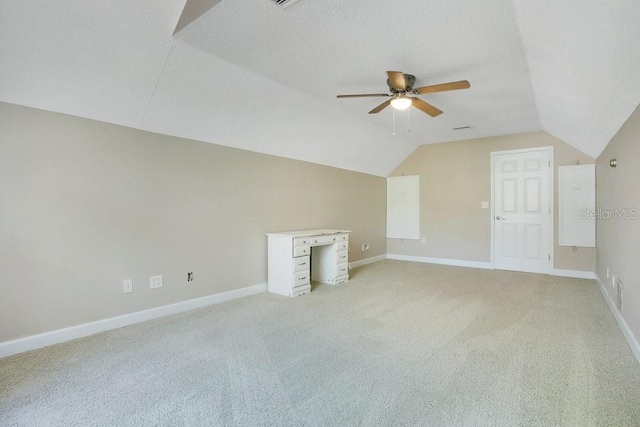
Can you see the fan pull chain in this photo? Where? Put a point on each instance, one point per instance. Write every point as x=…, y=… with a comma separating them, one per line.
x=393, y=112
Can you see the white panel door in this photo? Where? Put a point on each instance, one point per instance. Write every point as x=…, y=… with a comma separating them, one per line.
x=522, y=213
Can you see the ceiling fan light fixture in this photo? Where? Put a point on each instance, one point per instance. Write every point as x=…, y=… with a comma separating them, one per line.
x=401, y=103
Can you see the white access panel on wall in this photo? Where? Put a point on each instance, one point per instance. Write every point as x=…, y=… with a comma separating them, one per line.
x=403, y=207
x=577, y=202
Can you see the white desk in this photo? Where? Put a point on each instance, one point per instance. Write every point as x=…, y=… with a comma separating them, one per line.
x=297, y=257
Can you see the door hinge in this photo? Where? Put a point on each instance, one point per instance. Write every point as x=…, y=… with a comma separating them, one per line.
x=549, y=257
x=549, y=163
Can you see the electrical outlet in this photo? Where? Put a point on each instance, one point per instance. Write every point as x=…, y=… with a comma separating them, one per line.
x=485, y=205
x=363, y=248
x=155, y=282
x=127, y=286
x=190, y=277
x=424, y=240
x=366, y=247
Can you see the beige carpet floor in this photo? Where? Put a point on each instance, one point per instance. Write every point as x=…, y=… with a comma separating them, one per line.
x=400, y=344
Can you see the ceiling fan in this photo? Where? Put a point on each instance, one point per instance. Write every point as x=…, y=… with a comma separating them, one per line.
x=401, y=85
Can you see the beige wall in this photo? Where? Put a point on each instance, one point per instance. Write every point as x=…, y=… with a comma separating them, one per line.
x=86, y=204
x=619, y=238
x=455, y=179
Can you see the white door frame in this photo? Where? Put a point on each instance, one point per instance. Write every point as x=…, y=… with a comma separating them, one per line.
x=552, y=196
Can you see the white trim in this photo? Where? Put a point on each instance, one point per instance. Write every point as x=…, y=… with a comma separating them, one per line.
x=577, y=274
x=366, y=261
x=492, y=260
x=443, y=261
x=33, y=342
x=626, y=331
x=552, y=207
x=552, y=242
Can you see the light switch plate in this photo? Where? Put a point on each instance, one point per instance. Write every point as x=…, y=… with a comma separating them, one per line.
x=485, y=205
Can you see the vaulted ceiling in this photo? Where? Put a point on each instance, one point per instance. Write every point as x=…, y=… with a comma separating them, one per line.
x=252, y=75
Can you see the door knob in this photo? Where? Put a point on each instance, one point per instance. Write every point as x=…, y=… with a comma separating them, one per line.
x=499, y=218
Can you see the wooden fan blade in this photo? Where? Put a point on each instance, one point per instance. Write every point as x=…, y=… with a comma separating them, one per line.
x=463, y=84
x=397, y=80
x=380, y=107
x=427, y=108
x=363, y=95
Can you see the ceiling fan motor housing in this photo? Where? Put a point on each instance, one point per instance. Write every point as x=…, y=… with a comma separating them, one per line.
x=409, y=79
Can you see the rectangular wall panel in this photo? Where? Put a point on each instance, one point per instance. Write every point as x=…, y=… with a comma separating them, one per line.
x=403, y=207
x=577, y=197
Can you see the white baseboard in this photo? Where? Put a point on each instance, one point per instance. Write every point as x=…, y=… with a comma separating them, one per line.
x=33, y=342
x=626, y=331
x=444, y=261
x=578, y=274
x=366, y=261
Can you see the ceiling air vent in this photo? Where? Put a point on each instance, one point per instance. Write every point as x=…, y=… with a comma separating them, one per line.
x=284, y=3
x=463, y=127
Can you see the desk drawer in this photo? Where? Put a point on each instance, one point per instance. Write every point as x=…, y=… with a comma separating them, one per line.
x=342, y=269
x=342, y=279
x=300, y=290
x=342, y=256
x=301, y=263
x=343, y=246
x=301, y=278
x=299, y=251
x=301, y=241
x=323, y=240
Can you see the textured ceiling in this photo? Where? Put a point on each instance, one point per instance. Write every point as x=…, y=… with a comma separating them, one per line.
x=325, y=48
x=584, y=59
x=251, y=75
